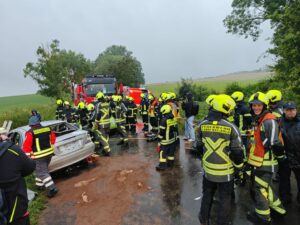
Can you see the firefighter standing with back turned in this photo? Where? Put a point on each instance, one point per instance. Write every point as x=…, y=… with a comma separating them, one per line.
x=265, y=148
x=219, y=143
x=38, y=145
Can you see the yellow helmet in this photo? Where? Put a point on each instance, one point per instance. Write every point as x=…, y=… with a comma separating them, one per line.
x=150, y=97
x=166, y=109
x=172, y=95
x=142, y=95
x=81, y=105
x=274, y=95
x=90, y=107
x=209, y=99
x=127, y=97
x=159, y=99
x=237, y=96
x=131, y=99
x=66, y=103
x=59, y=102
x=259, y=97
x=119, y=98
x=114, y=98
x=99, y=95
x=165, y=96
x=223, y=103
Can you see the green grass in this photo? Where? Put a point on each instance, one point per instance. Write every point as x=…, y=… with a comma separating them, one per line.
x=16, y=102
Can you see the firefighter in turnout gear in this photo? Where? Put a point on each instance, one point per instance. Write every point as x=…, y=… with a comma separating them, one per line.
x=275, y=103
x=14, y=167
x=82, y=114
x=219, y=144
x=69, y=113
x=38, y=145
x=144, y=106
x=265, y=148
x=242, y=115
x=59, y=114
x=131, y=115
x=153, y=103
x=167, y=138
x=120, y=115
x=101, y=123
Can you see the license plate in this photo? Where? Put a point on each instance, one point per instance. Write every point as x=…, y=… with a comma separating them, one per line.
x=71, y=147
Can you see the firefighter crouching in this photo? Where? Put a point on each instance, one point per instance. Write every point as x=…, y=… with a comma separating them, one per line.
x=265, y=148
x=131, y=116
x=14, y=166
x=120, y=115
x=38, y=145
x=167, y=138
x=219, y=144
x=101, y=124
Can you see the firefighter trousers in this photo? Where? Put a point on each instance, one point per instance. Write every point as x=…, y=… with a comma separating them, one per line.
x=166, y=155
x=224, y=191
x=101, y=136
x=131, y=124
x=122, y=131
x=145, y=121
x=42, y=175
x=264, y=195
x=154, y=124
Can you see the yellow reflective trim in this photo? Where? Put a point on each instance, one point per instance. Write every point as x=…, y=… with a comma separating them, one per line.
x=41, y=130
x=218, y=166
x=161, y=127
x=161, y=159
x=264, y=193
x=218, y=173
x=37, y=144
x=263, y=212
x=270, y=163
x=12, y=151
x=14, y=210
x=171, y=157
x=261, y=182
x=215, y=129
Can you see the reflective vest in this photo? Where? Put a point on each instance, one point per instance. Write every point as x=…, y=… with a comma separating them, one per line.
x=41, y=144
x=258, y=157
x=103, y=117
x=216, y=137
x=131, y=111
x=119, y=114
x=167, y=131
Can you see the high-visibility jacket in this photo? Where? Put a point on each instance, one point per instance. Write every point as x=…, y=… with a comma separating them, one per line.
x=120, y=113
x=103, y=114
x=39, y=142
x=221, y=147
x=167, y=129
x=144, y=106
x=264, y=136
x=278, y=112
x=59, y=112
x=131, y=110
x=242, y=117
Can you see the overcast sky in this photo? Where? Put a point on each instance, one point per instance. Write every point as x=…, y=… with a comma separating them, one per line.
x=171, y=38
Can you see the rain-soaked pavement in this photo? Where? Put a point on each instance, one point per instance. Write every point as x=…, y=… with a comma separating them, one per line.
x=174, y=196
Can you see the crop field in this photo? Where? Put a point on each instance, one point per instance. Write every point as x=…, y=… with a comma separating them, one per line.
x=218, y=83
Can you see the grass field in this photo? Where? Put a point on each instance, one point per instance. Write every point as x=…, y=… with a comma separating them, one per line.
x=23, y=101
x=218, y=83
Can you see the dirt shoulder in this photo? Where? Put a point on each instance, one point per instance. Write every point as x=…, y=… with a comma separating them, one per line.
x=102, y=195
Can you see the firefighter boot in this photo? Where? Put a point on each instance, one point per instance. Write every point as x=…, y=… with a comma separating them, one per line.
x=162, y=166
x=52, y=192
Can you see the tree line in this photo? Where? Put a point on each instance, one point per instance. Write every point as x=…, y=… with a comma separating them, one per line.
x=57, y=69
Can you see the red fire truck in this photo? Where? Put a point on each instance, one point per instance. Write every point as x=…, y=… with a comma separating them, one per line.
x=92, y=84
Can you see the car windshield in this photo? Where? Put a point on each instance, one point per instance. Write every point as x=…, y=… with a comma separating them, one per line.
x=93, y=89
x=62, y=128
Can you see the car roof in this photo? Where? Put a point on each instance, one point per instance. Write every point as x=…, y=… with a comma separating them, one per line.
x=43, y=123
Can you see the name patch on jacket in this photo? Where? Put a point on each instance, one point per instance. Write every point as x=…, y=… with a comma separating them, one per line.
x=216, y=129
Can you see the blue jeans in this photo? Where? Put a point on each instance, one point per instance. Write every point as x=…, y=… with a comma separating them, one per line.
x=189, y=129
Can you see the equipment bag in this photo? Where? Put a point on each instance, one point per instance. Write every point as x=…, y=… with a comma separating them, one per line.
x=3, y=208
x=195, y=109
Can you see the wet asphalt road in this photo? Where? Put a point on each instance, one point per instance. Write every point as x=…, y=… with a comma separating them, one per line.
x=175, y=195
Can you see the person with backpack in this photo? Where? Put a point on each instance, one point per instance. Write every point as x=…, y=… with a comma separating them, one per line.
x=190, y=108
x=13, y=190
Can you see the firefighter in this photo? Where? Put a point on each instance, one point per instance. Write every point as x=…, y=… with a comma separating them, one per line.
x=167, y=138
x=242, y=116
x=59, y=110
x=131, y=115
x=82, y=114
x=153, y=104
x=69, y=113
x=126, y=103
x=265, y=148
x=170, y=98
x=120, y=115
x=38, y=145
x=101, y=123
x=14, y=166
x=144, y=110
x=91, y=120
x=220, y=147
x=275, y=103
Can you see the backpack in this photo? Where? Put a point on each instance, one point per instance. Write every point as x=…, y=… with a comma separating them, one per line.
x=195, y=109
x=3, y=208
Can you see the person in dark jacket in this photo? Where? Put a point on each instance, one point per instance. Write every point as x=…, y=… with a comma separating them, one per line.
x=12, y=183
x=290, y=126
x=187, y=106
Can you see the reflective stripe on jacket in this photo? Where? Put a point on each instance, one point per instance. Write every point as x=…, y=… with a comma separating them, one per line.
x=41, y=144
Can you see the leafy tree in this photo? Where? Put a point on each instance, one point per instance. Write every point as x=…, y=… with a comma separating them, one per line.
x=118, y=61
x=186, y=86
x=56, y=69
x=284, y=17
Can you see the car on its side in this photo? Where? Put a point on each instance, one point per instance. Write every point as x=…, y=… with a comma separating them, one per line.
x=72, y=144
